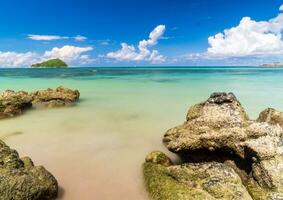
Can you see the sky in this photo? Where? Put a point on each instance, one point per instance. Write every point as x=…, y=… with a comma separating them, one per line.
x=141, y=32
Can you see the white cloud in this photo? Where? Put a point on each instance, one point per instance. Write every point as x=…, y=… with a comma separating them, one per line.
x=46, y=37
x=14, y=59
x=80, y=38
x=71, y=54
x=249, y=38
x=281, y=8
x=130, y=53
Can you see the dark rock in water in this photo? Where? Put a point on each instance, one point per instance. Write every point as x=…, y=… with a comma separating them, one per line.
x=221, y=97
x=55, y=98
x=14, y=103
x=219, y=130
x=21, y=180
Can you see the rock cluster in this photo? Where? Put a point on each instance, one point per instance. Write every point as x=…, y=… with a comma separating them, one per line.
x=21, y=180
x=226, y=155
x=55, y=98
x=14, y=103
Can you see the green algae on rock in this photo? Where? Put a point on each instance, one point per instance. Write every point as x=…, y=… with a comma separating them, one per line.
x=21, y=180
x=52, y=63
x=193, y=181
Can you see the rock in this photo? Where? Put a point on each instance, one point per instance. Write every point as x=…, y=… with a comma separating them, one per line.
x=14, y=103
x=271, y=116
x=158, y=157
x=221, y=124
x=55, y=98
x=219, y=133
x=21, y=180
x=193, y=181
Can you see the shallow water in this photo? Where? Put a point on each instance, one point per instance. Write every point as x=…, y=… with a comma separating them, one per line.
x=95, y=149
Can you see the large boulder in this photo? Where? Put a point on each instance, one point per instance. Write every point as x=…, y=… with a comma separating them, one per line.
x=55, y=98
x=14, y=103
x=192, y=181
x=21, y=180
x=218, y=130
x=221, y=124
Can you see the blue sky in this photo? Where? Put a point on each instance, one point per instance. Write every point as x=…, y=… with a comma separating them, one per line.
x=90, y=33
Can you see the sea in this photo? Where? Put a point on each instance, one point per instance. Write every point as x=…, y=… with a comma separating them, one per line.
x=96, y=148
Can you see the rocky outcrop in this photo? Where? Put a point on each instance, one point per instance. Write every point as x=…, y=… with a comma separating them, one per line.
x=192, y=181
x=55, y=98
x=21, y=180
x=14, y=103
x=219, y=130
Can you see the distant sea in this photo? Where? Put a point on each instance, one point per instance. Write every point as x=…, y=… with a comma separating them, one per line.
x=96, y=149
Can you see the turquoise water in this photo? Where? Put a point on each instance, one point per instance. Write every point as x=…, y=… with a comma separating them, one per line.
x=96, y=148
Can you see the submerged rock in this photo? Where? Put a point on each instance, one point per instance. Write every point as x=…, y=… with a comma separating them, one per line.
x=14, y=103
x=55, y=98
x=21, y=180
x=219, y=131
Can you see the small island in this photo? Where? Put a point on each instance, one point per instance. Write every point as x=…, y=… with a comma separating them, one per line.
x=52, y=63
x=275, y=64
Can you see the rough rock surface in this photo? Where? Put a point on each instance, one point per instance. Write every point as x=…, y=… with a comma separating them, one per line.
x=21, y=180
x=192, y=181
x=55, y=98
x=13, y=103
x=219, y=130
x=220, y=123
x=271, y=116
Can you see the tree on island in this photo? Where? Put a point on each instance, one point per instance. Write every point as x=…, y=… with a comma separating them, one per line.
x=52, y=63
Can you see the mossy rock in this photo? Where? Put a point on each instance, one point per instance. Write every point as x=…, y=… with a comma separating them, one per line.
x=21, y=180
x=193, y=181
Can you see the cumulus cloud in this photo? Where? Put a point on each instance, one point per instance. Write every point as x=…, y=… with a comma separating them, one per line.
x=249, y=38
x=14, y=59
x=142, y=53
x=71, y=54
x=46, y=37
x=281, y=8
